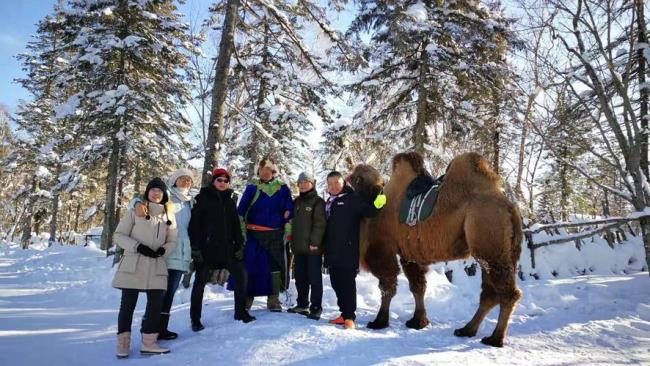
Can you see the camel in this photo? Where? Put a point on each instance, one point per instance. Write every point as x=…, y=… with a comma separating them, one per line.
x=472, y=216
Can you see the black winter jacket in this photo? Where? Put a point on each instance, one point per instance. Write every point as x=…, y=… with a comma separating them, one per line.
x=214, y=228
x=343, y=227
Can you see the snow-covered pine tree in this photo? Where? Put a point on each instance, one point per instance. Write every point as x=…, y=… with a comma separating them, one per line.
x=125, y=62
x=279, y=83
x=6, y=136
x=282, y=78
x=42, y=138
x=436, y=69
x=7, y=141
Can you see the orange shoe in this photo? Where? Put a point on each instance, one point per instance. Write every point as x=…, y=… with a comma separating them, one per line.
x=349, y=324
x=338, y=321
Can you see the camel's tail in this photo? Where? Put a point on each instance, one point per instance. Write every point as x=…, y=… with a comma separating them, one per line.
x=517, y=233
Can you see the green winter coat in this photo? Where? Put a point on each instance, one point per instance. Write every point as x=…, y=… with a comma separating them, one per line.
x=309, y=223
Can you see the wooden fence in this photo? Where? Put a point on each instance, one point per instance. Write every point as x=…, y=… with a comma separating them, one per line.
x=614, y=230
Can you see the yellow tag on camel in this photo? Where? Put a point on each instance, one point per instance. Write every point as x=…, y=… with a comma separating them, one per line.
x=380, y=201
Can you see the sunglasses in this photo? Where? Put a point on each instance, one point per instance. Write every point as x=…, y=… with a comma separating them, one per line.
x=223, y=180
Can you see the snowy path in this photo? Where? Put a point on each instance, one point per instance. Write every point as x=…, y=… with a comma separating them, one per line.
x=57, y=308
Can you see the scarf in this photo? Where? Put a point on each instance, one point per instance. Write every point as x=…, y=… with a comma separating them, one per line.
x=182, y=194
x=330, y=201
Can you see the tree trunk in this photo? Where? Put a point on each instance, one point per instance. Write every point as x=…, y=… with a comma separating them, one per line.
x=118, y=206
x=27, y=231
x=564, y=184
x=111, y=190
x=496, y=134
x=53, y=220
x=254, y=152
x=645, y=229
x=17, y=220
x=27, y=224
x=55, y=210
x=38, y=220
x=138, y=181
x=220, y=90
x=643, y=91
x=420, y=132
x=76, y=217
x=522, y=144
x=120, y=188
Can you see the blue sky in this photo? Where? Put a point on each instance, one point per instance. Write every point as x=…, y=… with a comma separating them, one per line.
x=19, y=24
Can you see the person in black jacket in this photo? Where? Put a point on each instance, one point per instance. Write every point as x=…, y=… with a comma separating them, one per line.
x=217, y=243
x=344, y=210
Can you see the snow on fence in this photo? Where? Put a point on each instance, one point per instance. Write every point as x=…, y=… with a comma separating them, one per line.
x=613, y=230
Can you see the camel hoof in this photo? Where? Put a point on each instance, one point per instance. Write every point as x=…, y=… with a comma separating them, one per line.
x=377, y=324
x=492, y=341
x=417, y=323
x=463, y=332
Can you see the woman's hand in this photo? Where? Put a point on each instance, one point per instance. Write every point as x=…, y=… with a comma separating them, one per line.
x=146, y=251
x=140, y=209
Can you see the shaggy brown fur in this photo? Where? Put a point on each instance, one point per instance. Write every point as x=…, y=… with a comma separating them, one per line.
x=472, y=217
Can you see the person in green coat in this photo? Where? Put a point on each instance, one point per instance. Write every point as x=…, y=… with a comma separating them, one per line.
x=308, y=228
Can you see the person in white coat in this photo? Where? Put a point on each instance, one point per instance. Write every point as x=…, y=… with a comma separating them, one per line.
x=147, y=242
x=178, y=262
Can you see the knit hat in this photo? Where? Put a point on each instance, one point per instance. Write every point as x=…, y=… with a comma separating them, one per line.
x=179, y=173
x=304, y=176
x=267, y=162
x=219, y=172
x=157, y=183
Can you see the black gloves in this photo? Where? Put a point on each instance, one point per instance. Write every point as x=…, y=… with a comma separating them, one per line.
x=160, y=251
x=146, y=251
x=197, y=257
x=239, y=255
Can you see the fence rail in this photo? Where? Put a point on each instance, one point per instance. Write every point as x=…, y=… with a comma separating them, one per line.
x=611, y=227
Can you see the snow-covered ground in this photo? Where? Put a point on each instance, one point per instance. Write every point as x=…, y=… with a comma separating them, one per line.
x=57, y=308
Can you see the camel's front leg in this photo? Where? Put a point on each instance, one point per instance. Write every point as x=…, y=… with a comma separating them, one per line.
x=416, y=275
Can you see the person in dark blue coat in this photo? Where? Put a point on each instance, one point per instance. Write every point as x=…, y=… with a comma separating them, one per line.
x=265, y=212
x=344, y=210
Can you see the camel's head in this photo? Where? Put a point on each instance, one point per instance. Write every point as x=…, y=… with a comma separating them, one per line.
x=409, y=164
x=366, y=181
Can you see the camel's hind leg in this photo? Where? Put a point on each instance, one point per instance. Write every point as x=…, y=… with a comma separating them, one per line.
x=494, y=240
x=382, y=263
x=418, y=285
x=488, y=301
x=503, y=280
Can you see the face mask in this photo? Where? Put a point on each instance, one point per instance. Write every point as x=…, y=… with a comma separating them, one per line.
x=184, y=191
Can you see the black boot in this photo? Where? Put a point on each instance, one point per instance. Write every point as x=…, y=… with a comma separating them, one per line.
x=245, y=317
x=164, y=333
x=315, y=312
x=197, y=326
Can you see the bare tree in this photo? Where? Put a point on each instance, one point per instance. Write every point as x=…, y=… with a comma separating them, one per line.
x=599, y=66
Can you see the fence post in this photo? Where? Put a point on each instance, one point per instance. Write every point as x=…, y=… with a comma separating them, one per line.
x=610, y=238
x=578, y=244
x=531, y=246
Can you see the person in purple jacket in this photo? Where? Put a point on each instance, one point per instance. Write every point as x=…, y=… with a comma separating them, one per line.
x=265, y=212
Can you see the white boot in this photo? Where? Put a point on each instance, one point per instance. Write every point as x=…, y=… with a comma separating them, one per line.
x=150, y=346
x=123, y=344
